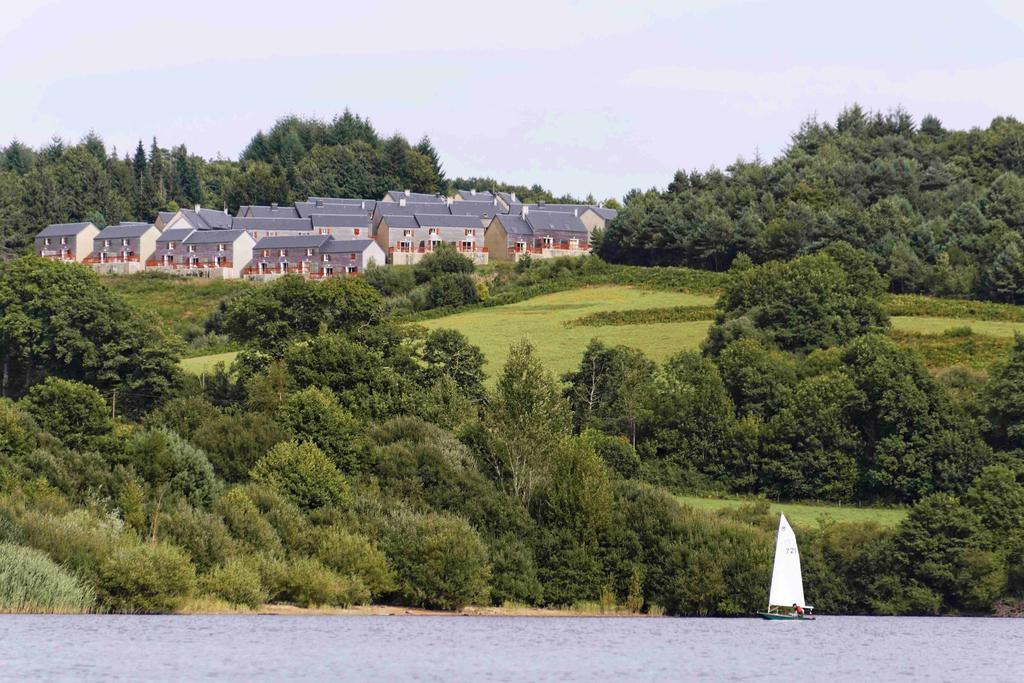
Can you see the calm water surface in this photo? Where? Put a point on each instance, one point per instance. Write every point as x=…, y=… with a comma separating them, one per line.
x=263, y=648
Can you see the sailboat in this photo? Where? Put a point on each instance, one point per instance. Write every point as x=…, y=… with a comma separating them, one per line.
x=786, y=599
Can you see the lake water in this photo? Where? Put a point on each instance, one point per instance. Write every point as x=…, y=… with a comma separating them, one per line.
x=264, y=648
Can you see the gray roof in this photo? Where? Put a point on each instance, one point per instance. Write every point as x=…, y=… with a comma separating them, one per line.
x=400, y=220
x=478, y=195
x=388, y=208
x=290, y=241
x=63, y=229
x=514, y=224
x=336, y=246
x=256, y=223
x=343, y=200
x=554, y=221
x=446, y=220
x=306, y=209
x=341, y=220
x=560, y=208
x=213, y=236
x=174, y=234
x=414, y=196
x=218, y=220
x=124, y=230
x=166, y=215
x=478, y=208
x=507, y=196
x=607, y=214
x=272, y=212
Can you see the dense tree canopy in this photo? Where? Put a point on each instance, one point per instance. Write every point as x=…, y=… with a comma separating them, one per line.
x=938, y=210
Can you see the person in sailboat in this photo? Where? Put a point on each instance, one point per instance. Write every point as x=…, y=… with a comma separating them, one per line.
x=798, y=611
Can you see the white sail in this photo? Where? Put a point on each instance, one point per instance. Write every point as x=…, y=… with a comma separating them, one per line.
x=787, y=581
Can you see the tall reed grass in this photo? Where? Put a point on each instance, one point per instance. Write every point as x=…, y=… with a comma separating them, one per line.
x=30, y=582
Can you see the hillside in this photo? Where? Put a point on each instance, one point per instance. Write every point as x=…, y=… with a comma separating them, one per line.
x=940, y=211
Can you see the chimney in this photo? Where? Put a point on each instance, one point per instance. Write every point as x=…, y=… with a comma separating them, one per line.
x=401, y=202
x=513, y=197
x=576, y=213
x=526, y=210
x=226, y=211
x=407, y=193
x=198, y=207
x=448, y=202
x=473, y=192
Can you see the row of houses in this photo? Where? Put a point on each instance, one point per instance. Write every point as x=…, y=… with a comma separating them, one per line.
x=326, y=236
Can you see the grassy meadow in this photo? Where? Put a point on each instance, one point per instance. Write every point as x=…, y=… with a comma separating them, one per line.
x=181, y=304
x=543, y=320
x=806, y=514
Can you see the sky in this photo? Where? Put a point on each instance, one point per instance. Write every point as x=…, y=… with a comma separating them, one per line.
x=581, y=97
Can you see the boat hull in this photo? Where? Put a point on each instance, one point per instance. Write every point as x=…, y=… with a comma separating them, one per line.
x=772, y=616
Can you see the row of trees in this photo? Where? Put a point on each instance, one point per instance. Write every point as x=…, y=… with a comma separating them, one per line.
x=939, y=211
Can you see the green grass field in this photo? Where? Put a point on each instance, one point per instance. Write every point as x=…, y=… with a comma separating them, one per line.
x=182, y=304
x=541, y=320
x=930, y=325
x=203, y=364
x=805, y=514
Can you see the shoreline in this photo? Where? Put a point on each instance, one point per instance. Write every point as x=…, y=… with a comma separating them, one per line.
x=281, y=609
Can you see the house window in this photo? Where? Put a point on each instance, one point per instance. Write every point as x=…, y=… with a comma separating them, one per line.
x=548, y=242
x=63, y=240
x=309, y=252
x=191, y=248
x=467, y=245
x=46, y=242
x=520, y=246
x=124, y=243
x=220, y=247
x=574, y=244
x=352, y=257
x=265, y=253
x=356, y=232
x=106, y=244
x=432, y=231
x=170, y=245
x=282, y=252
x=352, y=269
x=407, y=233
x=326, y=257
x=469, y=232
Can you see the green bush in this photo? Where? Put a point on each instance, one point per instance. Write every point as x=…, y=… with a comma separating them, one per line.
x=302, y=473
x=453, y=289
x=440, y=561
x=76, y=540
x=308, y=582
x=645, y=316
x=236, y=582
x=354, y=555
x=31, y=582
x=74, y=412
x=244, y=521
x=167, y=461
x=314, y=414
x=203, y=535
x=146, y=578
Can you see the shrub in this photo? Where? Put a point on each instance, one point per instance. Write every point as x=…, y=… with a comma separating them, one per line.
x=454, y=289
x=31, y=582
x=314, y=415
x=245, y=522
x=74, y=412
x=163, y=458
x=235, y=582
x=146, y=578
x=444, y=260
x=76, y=540
x=440, y=561
x=201, y=534
x=308, y=582
x=302, y=473
x=354, y=555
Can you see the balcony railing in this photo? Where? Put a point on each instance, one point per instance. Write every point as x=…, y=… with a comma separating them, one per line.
x=110, y=259
x=157, y=263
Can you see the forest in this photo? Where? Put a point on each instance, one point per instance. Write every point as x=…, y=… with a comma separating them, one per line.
x=296, y=158
x=350, y=457
x=940, y=211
